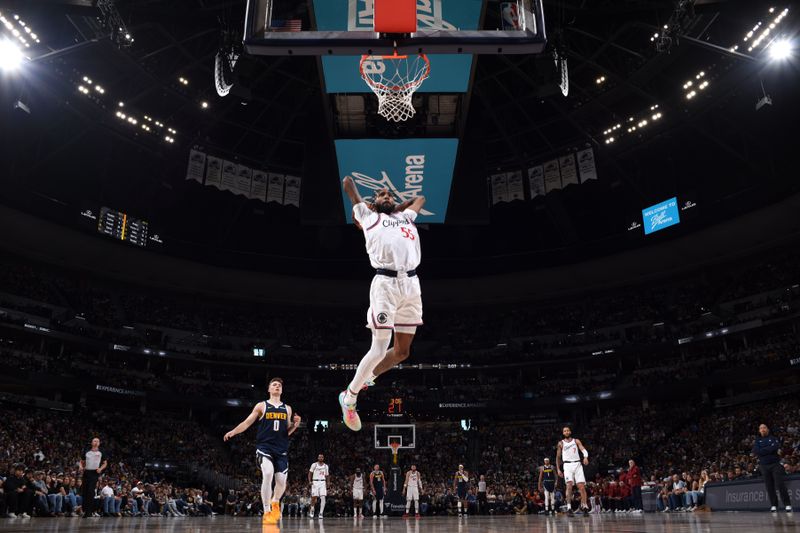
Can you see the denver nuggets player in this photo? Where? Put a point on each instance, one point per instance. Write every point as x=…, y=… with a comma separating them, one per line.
x=460, y=487
x=376, y=482
x=547, y=484
x=272, y=446
x=395, y=297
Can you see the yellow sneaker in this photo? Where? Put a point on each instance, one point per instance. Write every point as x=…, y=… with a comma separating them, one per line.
x=270, y=517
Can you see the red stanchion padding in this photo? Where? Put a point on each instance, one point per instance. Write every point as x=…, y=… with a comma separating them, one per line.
x=395, y=16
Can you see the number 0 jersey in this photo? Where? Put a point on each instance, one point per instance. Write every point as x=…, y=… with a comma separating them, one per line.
x=392, y=240
x=273, y=429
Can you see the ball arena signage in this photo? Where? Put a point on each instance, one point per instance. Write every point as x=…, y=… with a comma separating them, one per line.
x=749, y=495
x=407, y=167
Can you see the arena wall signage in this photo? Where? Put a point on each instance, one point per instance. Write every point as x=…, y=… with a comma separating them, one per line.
x=407, y=167
x=747, y=495
x=661, y=216
x=449, y=72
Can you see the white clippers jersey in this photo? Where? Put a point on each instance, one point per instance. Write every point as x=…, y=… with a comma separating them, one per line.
x=569, y=451
x=413, y=479
x=319, y=472
x=392, y=240
x=358, y=483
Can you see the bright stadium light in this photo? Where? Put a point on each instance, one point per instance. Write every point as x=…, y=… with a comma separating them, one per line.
x=10, y=56
x=780, y=49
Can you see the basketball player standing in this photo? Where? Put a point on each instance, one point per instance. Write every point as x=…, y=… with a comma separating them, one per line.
x=413, y=488
x=358, y=493
x=547, y=484
x=318, y=477
x=272, y=446
x=395, y=296
x=376, y=483
x=573, y=467
x=460, y=487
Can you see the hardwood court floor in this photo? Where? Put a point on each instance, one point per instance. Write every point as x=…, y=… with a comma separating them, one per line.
x=671, y=523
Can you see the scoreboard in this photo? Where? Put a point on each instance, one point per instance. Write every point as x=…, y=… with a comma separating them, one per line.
x=119, y=225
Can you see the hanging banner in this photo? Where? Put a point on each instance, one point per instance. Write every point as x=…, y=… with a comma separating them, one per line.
x=244, y=179
x=292, y=195
x=229, y=172
x=536, y=181
x=569, y=172
x=552, y=176
x=275, y=189
x=197, y=166
x=516, y=191
x=407, y=167
x=499, y=188
x=586, y=165
x=258, y=191
x=214, y=172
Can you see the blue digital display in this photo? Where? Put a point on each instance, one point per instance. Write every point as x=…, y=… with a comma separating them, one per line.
x=660, y=216
x=449, y=72
x=407, y=167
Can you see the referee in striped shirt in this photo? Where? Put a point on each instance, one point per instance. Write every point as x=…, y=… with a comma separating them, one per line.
x=92, y=466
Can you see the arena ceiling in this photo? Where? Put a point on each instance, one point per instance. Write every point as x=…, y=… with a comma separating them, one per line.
x=67, y=153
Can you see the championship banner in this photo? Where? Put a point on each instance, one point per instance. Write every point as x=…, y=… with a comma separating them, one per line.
x=586, y=165
x=258, y=191
x=244, y=179
x=407, y=167
x=449, y=72
x=516, y=191
x=552, y=176
x=292, y=195
x=536, y=181
x=275, y=189
x=499, y=188
x=214, y=172
x=229, y=171
x=197, y=166
x=569, y=172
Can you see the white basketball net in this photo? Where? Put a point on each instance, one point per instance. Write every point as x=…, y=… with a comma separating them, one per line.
x=394, y=80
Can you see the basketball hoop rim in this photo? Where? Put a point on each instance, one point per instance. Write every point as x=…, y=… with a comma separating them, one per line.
x=395, y=448
x=396, y=88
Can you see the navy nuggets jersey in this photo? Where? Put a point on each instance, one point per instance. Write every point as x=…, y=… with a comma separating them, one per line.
x=273, y=430
x=548, y=475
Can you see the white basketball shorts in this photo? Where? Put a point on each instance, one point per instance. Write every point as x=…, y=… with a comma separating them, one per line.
x=318, y=489
x=395, y=303
x=358, y=495
x=574, y=472
x=412, y=492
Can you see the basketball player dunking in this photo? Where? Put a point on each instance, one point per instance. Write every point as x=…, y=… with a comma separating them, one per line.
x=547, y=484
x=413, y=488
x=272, y=446
x=358, y=493
x=376, y=483
x=573, y=468
x=395, y=297
x=460, y=487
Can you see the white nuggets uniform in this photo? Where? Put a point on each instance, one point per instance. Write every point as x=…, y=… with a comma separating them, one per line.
x=392, y=244
x=319, y=473
x=358, y=487
x=570, y=456
x=412, y=491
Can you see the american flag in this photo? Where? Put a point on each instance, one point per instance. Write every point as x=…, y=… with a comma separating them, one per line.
x=286, y=25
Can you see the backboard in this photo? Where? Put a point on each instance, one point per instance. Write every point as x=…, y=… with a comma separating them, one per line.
x=347, y=27
x=404, y=434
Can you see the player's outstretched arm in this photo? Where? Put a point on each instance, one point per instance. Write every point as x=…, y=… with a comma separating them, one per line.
x=295, y=420
x=417, y=204
x=558, y=461
x=246, y=423
x=351, y=190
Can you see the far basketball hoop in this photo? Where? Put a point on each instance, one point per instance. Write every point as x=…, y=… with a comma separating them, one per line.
x=394, y=80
